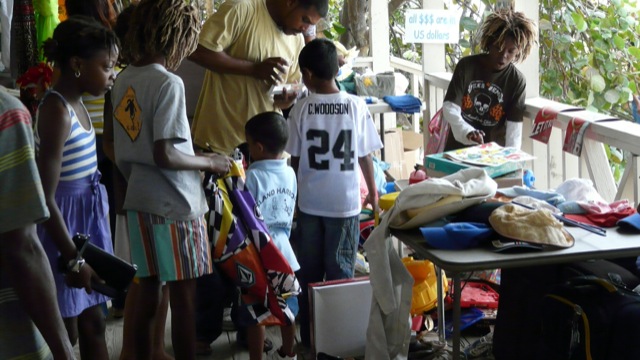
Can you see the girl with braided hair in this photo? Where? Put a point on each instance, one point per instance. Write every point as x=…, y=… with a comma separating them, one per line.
x=485, y=98
x=165, y=201
x=84, y=52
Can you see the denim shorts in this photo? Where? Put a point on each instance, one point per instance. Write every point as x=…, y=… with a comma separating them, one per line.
x=327, y=247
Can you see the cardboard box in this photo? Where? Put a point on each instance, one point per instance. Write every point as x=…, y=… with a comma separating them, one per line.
x=413, y=143
x=412, y=140
x=438, y=164
x=340, y=316
x=410, y=159
x=402, y=151
x=515, y=178
x=393, y=152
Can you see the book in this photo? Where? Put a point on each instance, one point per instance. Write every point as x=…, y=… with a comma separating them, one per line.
x=489, y=154
x=438, y=166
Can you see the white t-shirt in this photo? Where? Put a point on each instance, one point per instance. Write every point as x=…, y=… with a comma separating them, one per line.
x=329, y=132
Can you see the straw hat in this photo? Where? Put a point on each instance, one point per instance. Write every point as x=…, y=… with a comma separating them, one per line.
x=534, y=226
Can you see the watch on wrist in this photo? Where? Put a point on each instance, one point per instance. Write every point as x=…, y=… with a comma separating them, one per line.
x=74, y=265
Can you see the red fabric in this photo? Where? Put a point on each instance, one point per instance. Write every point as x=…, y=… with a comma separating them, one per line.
x=603, y=220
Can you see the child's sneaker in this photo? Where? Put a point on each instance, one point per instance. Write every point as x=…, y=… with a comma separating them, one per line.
x=275, y=355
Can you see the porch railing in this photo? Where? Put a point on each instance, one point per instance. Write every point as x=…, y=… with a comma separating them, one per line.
x=411, y=69
x=552, y=165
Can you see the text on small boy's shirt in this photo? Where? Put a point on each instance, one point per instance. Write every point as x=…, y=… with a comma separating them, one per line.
x=328, y=109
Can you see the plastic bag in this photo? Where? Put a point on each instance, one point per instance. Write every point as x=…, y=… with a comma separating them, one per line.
x=378, y=85
x=438, y=133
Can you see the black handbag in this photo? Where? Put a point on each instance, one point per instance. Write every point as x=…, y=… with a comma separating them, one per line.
x=588, y=317
x=116, y=273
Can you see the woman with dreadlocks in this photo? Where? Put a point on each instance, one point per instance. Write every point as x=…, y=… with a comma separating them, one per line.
x=164, y=200
x=485, y=99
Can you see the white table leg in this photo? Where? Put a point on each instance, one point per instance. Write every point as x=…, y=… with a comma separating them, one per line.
x=382, y=155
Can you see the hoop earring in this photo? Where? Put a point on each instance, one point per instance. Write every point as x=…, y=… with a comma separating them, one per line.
x=77, y=73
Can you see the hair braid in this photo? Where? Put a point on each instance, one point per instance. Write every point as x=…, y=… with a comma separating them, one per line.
x=505, y=23
x=166, y=27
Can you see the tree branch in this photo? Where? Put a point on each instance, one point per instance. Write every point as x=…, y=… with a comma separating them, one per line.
x=395, y=5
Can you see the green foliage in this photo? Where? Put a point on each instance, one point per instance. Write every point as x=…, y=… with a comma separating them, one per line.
x=473, y=12
x=411, y=52
x=331, y=27
x=589, y=57
x=590, y=54
x=334, y=31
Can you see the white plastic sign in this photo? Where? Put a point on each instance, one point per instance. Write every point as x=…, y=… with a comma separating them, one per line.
x=431, y=26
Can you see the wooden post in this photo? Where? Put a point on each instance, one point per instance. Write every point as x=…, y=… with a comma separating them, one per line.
x=433, y=60
x=379, y=32
x=531, y=66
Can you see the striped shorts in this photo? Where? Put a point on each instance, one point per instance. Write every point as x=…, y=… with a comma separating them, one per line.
x=169, y=249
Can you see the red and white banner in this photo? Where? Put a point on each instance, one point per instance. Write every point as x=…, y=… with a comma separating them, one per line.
x=574, y=137
x=543, y=124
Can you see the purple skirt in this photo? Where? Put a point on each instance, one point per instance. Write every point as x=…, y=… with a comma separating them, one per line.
x=85, y=209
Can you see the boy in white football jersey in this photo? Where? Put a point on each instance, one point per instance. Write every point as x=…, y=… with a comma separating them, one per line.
x=331, y=137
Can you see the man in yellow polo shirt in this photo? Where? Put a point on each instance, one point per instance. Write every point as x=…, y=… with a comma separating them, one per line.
x=247, y=46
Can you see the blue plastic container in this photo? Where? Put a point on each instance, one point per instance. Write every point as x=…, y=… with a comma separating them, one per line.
x=390, y=187
x=528, y=179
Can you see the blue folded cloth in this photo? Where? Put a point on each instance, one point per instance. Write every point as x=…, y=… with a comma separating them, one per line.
x=549, y=196
x=404, y=103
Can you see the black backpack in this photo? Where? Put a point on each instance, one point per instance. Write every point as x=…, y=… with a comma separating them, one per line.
x=588, y=317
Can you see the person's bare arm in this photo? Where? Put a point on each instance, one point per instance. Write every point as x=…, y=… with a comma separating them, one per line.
x=366, y=165
x=54, y=124
x=24, y=261
x=167, y=156
x=269, y=70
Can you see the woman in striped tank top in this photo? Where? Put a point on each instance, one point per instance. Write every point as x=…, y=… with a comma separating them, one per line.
x=85, y=53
